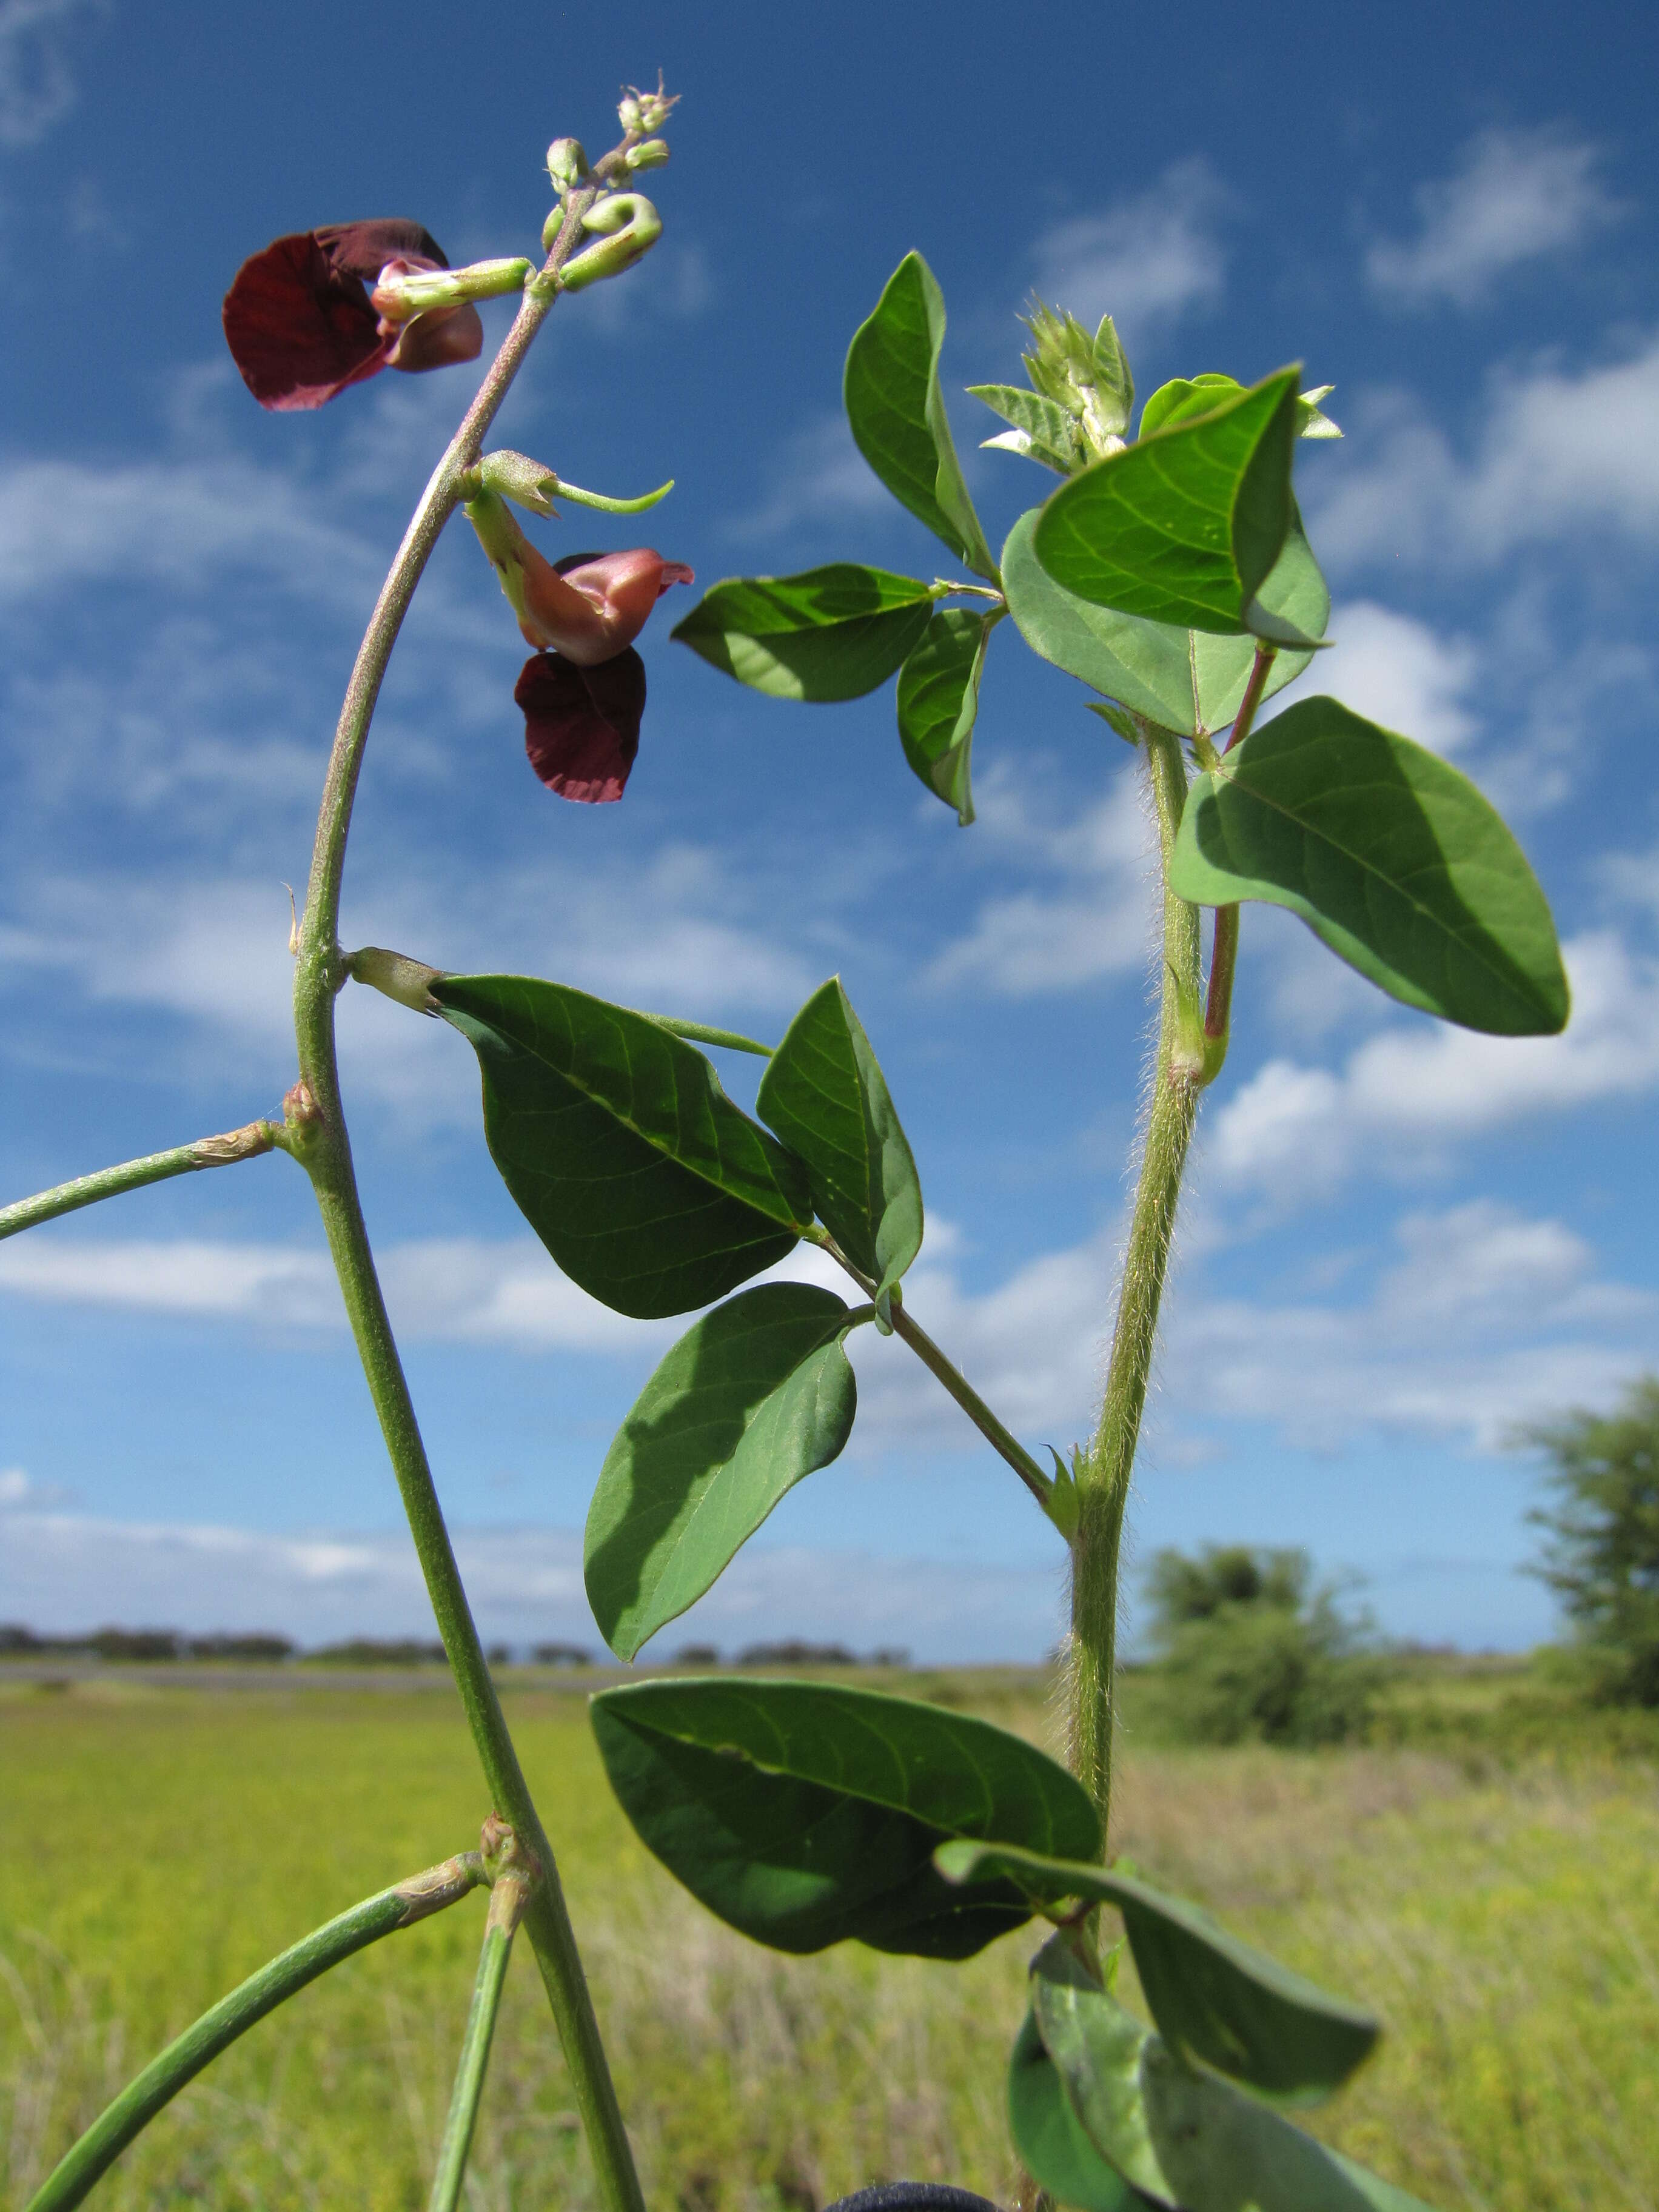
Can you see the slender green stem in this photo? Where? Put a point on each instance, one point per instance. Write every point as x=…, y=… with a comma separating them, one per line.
x=700, y=1033
x=184, y=2058
x=321, y=1143
x=910, y=1332
x=1104, y=1470
x=1224, y=951
x=132, y=1174
x=507, y=1901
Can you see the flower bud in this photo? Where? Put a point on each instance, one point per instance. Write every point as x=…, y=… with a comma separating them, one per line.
x=567, y=163
x=628, y=112
x=651, y=155
x=628, y=227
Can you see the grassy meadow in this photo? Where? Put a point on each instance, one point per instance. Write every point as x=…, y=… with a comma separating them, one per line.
x=1493, y=1893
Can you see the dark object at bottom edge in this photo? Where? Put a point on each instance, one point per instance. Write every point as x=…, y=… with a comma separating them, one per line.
x=913, y=2196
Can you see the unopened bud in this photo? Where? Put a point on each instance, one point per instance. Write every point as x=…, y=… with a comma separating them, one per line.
x=567, y=163
x=651, y=155
x=628, y=112
x=401, y=293
x=628, y=226
x=396, y=976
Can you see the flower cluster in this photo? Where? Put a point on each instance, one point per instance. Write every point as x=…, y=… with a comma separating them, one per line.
x=302, y=324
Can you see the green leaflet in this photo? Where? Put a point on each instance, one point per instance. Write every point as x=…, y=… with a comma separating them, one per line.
x=1182, y=2138
x=1185, y=526
x=1182, y=679
x=1390, y=855
x=939, y=703
x=1042, y=430
x=825, y=1096
x=1051, y=2141
x=896, y=411
x=804, y=1814
x=828, y=634
x=755, y=1395
x=650, y=1188
x=1213, y=1997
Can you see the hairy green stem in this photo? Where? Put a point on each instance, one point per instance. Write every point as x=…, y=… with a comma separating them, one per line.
x=321, y=1142
x=1104, y=1470
x=1224, y=951
x=185, y=2057
x=506, y=1904
x=245, y=1144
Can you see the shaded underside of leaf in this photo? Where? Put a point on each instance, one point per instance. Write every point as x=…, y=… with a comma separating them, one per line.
x=1185, y=2138
x=1390, y=855
x=1184, y=680
x=1050, y=2139
x=1213, y=1997
x=650, y=1188
x=805, y=1814
x=1184, y=526
x=825, y=1094
x=753, y=1397
x=825, y=634
x=938, y=704
x=896, y=411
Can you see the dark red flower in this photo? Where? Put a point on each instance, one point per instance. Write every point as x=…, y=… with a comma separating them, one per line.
x=301, y=325
x=581, y=726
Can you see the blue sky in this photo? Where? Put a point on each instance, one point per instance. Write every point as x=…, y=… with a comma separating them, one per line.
x=1400, y=1239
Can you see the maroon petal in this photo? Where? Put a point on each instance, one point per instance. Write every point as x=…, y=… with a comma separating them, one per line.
x=362, y=249
x=299, y=329
x=581, y=726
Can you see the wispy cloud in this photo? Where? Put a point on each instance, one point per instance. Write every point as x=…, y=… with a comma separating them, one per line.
x=1146, y=261
x=61, y=1573
x=1515, y=196
x=37, y=83
x=1400, y=672
x=1558, y=451
x=820, y=476
x=1405, y=1098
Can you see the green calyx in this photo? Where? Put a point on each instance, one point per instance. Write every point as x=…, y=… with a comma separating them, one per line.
x=1088, y=377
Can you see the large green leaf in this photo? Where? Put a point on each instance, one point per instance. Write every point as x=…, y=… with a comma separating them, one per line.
x=755, y=1395
x=1390, y=855
x=939, y=703
x=897, y=410
x=1181, y=678
x=1185, y=526
x=1050, y=2137
x=830, y=632
x=803, y=1813
x=1182, y=2137
x=1213, y=1997
x=646, y=1184
x=825, y=1094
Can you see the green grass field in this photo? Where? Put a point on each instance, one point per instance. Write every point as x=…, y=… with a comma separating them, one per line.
x=1501, y=1914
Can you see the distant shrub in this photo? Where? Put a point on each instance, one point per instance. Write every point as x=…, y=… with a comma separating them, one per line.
x=1250, y=1652
x=1602, y=1553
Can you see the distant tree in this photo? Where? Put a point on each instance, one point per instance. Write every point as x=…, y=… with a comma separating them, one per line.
x=1252, y=1651
x=1601, y=1556
x=563, y=1655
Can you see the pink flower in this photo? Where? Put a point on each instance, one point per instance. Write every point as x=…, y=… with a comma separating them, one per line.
x=590, y=605
x=301, y=327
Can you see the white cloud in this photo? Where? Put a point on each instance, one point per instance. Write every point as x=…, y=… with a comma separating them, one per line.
x=37, y=88
x=1093, y=916
x=1558, y=451
x=63, y=1573
x=1400, y=672
x=1515, y=197
x=1293, y=1133
x=1146, y=261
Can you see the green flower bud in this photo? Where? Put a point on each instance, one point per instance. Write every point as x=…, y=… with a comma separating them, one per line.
x=567, y=163
x=628, y=226
x=651, y=155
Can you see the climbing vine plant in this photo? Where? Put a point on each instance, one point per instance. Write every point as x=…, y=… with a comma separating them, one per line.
x=1169, y=572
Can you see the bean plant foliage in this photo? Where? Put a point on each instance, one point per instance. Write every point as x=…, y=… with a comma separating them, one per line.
x=1166, y=569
